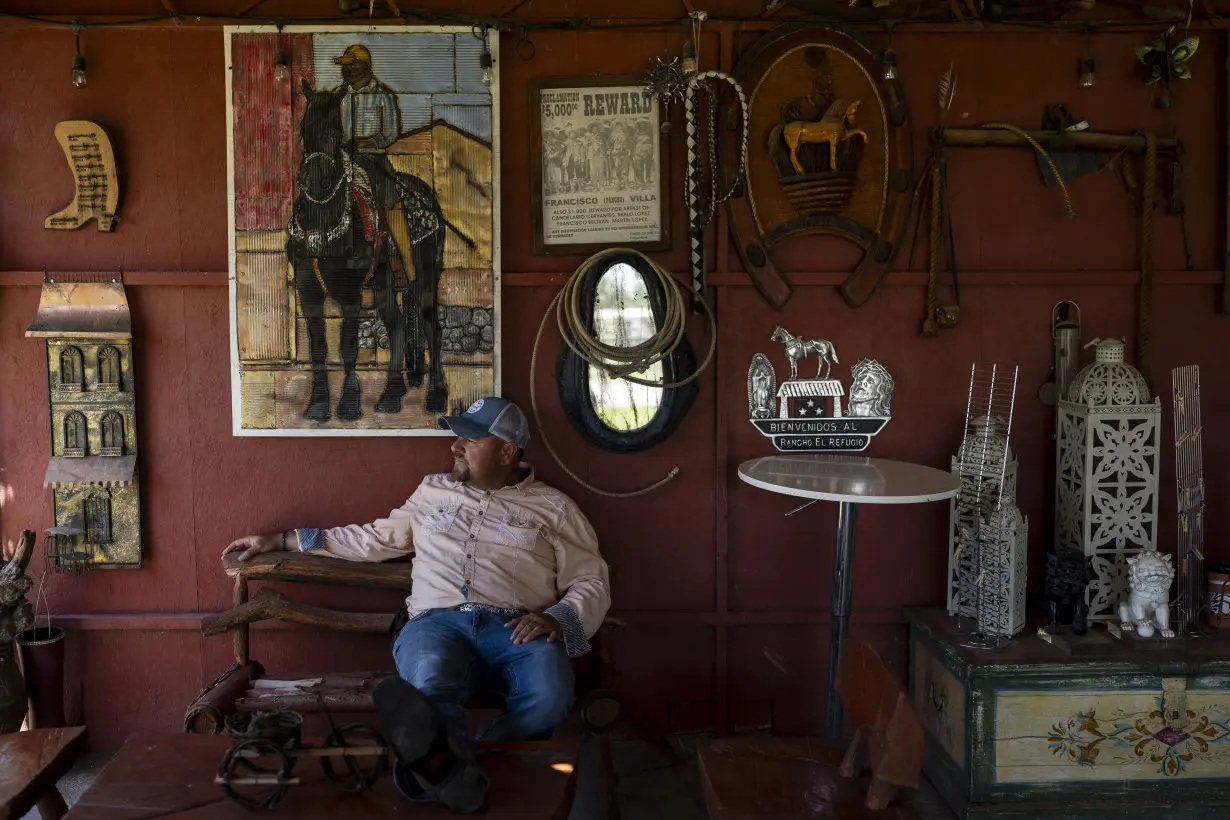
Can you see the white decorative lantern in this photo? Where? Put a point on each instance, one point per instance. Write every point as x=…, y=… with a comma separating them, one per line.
x=1107, y=472
x=987, y=563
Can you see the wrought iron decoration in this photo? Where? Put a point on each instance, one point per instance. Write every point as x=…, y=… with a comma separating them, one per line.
x=809, y=416
x=832, y=154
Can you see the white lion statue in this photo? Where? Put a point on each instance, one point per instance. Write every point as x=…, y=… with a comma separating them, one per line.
x=1150, y=574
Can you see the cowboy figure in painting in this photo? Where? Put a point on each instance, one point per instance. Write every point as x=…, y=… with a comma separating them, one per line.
x=340, y=241
x=508, y=585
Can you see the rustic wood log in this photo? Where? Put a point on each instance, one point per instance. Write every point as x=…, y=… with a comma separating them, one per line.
x=239, y=638
x=208, y=712
x=322, y=751
x=1093, y=140
x=269, y=604
x=315, y=569
x=309, y=701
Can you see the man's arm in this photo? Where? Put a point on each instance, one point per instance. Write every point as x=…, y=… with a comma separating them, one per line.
x=382, y=540
x=582, y=579
x=390, y=120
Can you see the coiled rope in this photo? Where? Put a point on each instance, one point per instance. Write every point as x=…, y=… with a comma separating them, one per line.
x=618, y=362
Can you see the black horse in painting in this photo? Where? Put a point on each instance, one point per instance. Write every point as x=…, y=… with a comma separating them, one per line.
x=337, y=246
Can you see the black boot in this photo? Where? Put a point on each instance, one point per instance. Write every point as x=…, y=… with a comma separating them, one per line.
x=415, y=729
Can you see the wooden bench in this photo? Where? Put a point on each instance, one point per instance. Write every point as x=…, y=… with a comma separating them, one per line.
x=246, y=687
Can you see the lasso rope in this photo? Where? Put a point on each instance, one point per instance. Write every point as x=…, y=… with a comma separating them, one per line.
x=695, y=166
x=618, y=362
x=1145, y=293
x=1069, y=211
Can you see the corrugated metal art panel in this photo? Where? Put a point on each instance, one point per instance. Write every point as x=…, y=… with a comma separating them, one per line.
x=373, y=138
x=406, y=63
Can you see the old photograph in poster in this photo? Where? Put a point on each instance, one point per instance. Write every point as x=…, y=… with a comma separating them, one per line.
x=600, y=169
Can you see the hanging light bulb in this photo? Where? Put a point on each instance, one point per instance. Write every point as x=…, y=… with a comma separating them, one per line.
x=486, y=61
x=689, y=59
x=1088, y=78
x=281, y=69
x=488, y=65
x=890, y=64
x=889, y=60
x=79, y=78
x=281, y=66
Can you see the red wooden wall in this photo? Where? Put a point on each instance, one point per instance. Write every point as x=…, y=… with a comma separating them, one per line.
x=726, y=601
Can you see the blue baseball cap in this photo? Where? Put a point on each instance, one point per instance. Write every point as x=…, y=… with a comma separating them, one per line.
x=490, y=416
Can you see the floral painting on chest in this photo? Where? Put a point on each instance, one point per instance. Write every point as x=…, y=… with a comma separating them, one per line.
x=364, y=227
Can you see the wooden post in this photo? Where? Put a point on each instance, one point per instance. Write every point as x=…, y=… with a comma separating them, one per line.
x=239, y=635
x=1225, y=135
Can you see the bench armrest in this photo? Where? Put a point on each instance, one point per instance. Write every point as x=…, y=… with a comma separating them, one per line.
x=315, y=569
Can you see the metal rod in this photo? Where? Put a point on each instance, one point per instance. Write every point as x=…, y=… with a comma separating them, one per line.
x=973, y=137
x=843, y=593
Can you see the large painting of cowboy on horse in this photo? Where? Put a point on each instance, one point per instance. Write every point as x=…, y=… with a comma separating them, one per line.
x=364, y=218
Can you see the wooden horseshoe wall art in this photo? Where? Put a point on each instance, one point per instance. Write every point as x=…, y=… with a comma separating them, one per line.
x=830, y=152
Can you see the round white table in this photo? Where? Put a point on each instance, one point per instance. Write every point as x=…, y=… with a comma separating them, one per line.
x=850, y=481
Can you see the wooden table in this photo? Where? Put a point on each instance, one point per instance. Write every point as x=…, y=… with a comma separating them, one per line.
x=172, y=775
x=30, y=765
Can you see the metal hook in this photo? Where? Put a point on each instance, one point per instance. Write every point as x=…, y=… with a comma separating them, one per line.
x=525, y=46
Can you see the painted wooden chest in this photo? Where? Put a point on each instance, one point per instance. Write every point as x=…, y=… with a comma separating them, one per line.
x=1030, y=732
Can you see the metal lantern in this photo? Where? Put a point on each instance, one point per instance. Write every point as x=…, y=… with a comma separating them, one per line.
x=1107, y=472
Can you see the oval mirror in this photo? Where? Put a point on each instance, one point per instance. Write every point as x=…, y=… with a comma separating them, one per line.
x=622, y=305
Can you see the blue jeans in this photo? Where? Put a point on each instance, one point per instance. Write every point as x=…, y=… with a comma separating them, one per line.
x=450, y=655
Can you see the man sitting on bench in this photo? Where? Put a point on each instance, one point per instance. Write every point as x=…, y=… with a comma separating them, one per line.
x=508, y=585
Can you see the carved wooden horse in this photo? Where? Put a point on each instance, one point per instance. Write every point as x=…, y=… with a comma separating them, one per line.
x=799, y=348
x=833, y=128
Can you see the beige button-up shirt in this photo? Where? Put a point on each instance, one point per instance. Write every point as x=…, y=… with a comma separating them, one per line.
x=525, y=546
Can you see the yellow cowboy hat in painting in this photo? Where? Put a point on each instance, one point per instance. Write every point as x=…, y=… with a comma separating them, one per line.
x=353, y=53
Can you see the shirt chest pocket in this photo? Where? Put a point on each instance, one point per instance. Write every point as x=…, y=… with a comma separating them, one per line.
x=518, y=532
x=440, y=517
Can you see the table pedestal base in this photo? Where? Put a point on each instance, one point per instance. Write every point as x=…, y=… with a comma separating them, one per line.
x=839, y=609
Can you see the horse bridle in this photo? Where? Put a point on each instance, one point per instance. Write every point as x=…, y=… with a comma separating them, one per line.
x=345, y=177
x=314, y=238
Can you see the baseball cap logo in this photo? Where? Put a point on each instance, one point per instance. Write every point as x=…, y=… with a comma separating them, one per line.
x=475, y=407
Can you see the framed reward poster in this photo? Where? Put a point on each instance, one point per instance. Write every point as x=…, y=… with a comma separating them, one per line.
x=599, y=165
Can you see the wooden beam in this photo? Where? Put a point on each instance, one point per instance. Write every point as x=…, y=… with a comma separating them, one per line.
x=314, y=569
x=977, y=137
x=269, y=604
x=247, y=7
x=508, y=10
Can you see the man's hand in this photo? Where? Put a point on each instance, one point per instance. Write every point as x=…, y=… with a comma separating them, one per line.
x=254, y=545
x=533, y=626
